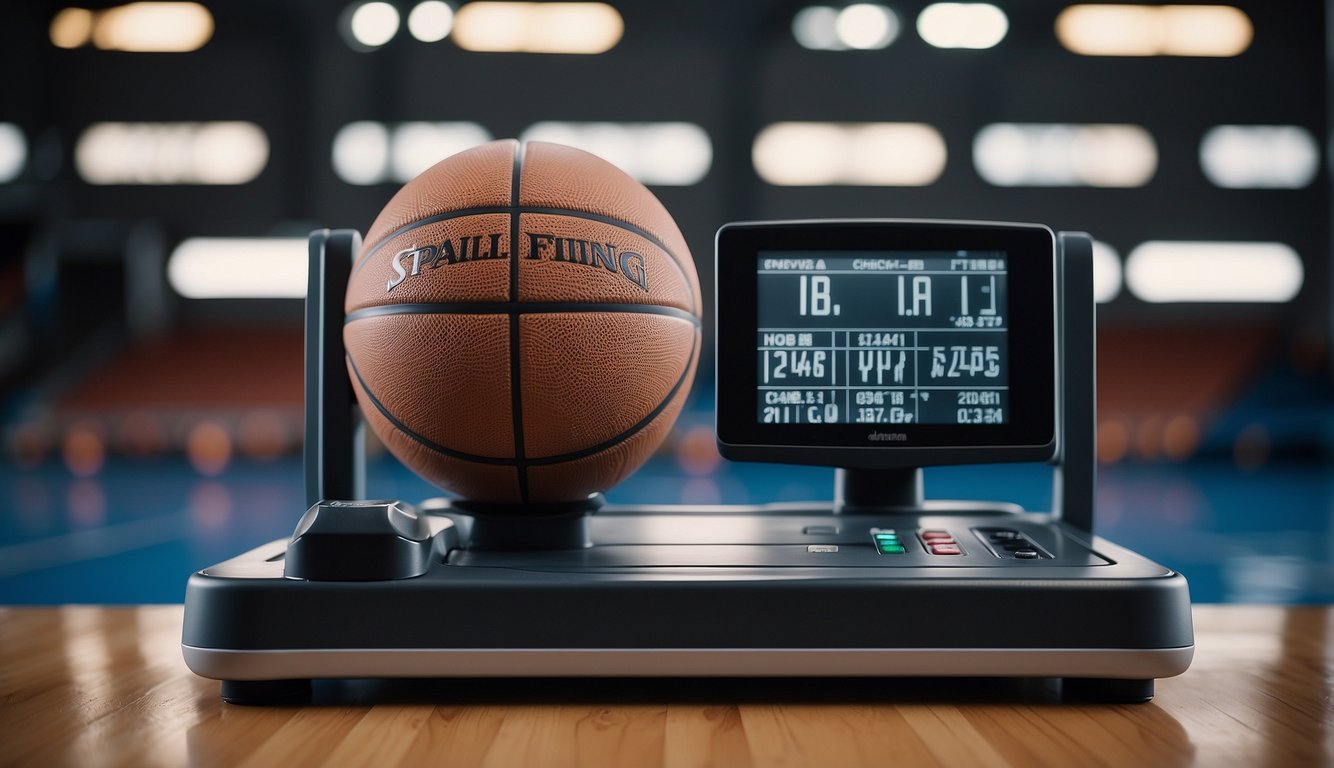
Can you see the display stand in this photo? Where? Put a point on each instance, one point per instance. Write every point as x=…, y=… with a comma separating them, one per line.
x=768, y=590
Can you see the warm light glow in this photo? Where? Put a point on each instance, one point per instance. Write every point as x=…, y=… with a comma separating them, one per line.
x=1064, y=155
x=418, y=146
x=373, y=24
x=697, y=452
x=13, y=152
x=538, y=27
x=361, y=152
x=1106, y=272
x=239, y=268
x=865, y=26
x=142, y=434
x=1181, y=437
x=1162, y=271
x=72, y=28
x=84, y=450
x=1259, y=156
x=1113, y=442
x=209, y=448
x=147, y=28
x=1148, y=30
x=962, y=25
x=171, y=153
x=431, y=21
x=667, y=154
x=863, y=154
x=262, y=435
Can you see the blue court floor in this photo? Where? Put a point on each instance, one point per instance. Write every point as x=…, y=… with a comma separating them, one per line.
x=136, y=531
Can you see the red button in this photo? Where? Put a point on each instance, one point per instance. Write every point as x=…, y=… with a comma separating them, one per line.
x=945, y=549
x=928, y=535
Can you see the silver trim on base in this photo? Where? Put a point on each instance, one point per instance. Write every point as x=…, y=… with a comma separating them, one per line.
x=281, y=664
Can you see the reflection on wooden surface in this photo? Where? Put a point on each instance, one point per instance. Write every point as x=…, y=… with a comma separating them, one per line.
x=107, y=686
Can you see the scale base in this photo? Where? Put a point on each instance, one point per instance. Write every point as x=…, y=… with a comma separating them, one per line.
x=720, y=592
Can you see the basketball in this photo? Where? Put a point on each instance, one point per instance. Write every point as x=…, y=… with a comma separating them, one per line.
x=523, y=324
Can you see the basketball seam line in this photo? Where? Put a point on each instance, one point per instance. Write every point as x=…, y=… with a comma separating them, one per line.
x=522, y=308
x=628, y=227
x=516, y=364
x=637, y=426
x=540, y=461
x=423, y=441
x=545, y=211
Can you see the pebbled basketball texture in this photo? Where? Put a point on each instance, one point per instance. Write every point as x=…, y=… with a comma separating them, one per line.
x=523, y=323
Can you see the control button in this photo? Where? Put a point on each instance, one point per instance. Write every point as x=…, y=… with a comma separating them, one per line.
x=936, y=535
x=892, y=549
x=1002, y=535
x=822, y=548
x=820, y=530
x=359, y=541
x=945, y=549
x=1026, y=554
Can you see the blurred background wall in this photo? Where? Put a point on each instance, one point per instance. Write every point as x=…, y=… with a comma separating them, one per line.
x=160, y=164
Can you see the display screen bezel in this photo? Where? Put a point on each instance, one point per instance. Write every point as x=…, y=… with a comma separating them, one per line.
x=1031, y=284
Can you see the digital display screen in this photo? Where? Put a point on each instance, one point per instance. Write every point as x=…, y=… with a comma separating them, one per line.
x=882, y=337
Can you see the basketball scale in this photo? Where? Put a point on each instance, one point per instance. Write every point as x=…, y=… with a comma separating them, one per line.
x=877, y=582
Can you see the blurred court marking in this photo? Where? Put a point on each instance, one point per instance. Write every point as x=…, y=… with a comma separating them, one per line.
x=91, y=544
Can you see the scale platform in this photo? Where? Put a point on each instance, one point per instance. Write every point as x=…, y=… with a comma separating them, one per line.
x=877, y=582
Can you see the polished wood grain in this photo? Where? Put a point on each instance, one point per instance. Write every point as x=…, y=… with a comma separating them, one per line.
x=88, y=686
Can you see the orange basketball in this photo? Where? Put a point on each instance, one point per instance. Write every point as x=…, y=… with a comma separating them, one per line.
x=523, y=323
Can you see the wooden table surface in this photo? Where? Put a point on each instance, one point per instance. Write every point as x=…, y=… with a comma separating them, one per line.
x=90, y=686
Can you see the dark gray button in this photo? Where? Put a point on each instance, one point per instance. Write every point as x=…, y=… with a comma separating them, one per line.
x=1026, y=554
x=358, y=541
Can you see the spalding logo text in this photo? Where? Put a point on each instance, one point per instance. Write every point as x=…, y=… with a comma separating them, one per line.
x=541, y=246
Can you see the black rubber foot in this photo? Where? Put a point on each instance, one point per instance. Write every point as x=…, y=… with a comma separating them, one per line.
x=1107, y=690
x=262, y=692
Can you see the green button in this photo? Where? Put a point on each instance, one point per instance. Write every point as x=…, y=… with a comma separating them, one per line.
x=884, y=537
x=892, y=549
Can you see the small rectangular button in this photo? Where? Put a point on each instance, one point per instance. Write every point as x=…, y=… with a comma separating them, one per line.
x=822, y=548
x=945, y=549
x=936, y=535
x=892, y=549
